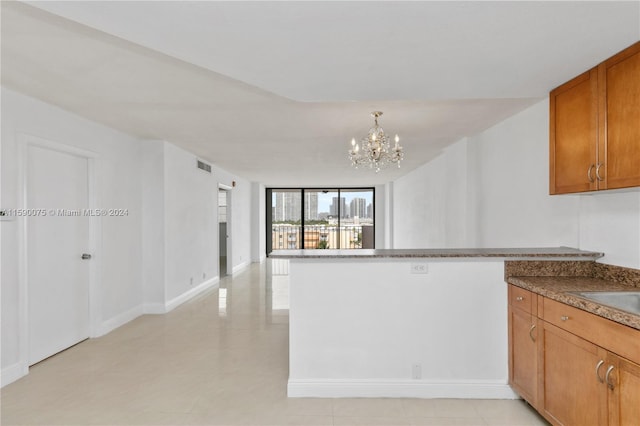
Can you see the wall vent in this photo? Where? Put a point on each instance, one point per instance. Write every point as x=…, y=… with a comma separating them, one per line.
x=204, y=166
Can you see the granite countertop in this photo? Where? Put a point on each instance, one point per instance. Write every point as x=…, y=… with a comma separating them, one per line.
x=558, y=288
x=543, y=253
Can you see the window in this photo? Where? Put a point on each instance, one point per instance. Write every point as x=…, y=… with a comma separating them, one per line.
x=328, y=218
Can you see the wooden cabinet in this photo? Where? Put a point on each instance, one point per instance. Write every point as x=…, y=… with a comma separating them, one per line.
x=571, y=392
x=619, y=119
x=594, y=127
x=573, y=135
x=624, y=390
x=523, y=348
x=574, y=367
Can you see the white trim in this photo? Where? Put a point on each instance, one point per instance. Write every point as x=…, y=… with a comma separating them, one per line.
x=326, y=388
x=8, y=374
x=177, y=301
x=160, y=308
x=239, y=268
x=12, y=373
x=95, y=244
x=24, y=141
x=230, y=233
x=154, y=308
x=118, y=321
x=225, y=187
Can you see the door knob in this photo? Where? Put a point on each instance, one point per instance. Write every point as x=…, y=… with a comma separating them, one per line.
x=86, y=256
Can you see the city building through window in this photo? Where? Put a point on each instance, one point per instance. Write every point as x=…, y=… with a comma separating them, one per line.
x=304, y=218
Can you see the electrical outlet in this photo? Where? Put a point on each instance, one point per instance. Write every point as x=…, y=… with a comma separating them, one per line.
x=204, y=275
x=191, y=281
x=416, y=371
x=419, y=268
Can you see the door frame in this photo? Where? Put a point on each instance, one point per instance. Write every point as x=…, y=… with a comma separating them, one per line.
x=25, y=141
x=227, y=188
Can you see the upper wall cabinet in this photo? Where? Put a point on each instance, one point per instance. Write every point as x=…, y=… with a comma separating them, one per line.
x=594, y=122
x=619, y=120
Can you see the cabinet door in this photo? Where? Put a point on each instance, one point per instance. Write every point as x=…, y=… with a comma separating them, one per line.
x=523, y=355
x=572, y=393
x=619, y=151
x=624, y=398
x=573, y=135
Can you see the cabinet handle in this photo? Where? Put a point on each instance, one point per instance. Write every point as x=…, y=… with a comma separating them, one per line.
x=598, y=172
x=600, y=379
x=519, y=298
x=589, y=173
x=564, y=318
x=533, y=327
x=606, y=377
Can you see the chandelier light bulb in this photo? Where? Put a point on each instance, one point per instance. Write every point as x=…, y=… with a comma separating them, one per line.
x=353, y=141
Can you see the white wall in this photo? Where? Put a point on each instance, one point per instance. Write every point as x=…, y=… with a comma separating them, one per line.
x=148, y=258
x=118, y=184
x=514, y=208
x=258, y=222
x=386, y=320
x=239, y=218
x=381, y=217
x=610, y=222
x=241, y=225
x=429, y=204
x=191, y=221
x=153, y=230
x=503, y=174
x=180, y=229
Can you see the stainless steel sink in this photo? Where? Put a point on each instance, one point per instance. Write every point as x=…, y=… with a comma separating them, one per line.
x=624, y=300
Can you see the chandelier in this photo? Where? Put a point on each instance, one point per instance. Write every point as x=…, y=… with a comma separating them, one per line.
x=374, y=150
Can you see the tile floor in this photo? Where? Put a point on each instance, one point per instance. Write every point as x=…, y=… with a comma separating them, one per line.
x=220, y=359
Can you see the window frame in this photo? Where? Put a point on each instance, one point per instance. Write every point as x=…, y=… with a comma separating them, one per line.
x=269, y=211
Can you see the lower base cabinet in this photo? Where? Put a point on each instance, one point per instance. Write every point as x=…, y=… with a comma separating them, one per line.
x=624, y=406
x=580, y=380
x=572, y=394
x=523, y=355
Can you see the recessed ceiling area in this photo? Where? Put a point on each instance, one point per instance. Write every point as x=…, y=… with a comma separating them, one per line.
x=274, y=91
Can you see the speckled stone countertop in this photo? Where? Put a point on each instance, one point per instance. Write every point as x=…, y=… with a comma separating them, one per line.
x=559, y=288
x=547, y=253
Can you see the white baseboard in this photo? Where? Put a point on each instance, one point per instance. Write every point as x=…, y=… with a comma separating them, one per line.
x=12, y=373
x=154, y=308
x=163, y=308
x=399, y=389
x=119, y=320
x=239, y=268
x=177, y=301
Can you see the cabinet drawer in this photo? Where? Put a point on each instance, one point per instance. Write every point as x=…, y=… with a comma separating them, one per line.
x=617, y=338
x=521, y=299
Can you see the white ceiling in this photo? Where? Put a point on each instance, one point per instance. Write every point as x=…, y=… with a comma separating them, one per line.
x=274, y=91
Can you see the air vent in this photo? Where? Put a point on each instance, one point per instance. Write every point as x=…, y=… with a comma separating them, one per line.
x=204, y=166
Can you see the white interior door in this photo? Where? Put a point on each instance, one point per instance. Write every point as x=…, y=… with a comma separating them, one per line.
x=58, y=277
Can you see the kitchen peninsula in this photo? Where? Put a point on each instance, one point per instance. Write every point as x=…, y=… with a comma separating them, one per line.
x=425, y=323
